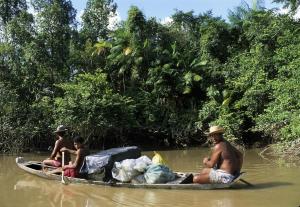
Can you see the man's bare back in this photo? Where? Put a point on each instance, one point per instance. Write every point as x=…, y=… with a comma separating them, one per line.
x=230, y=159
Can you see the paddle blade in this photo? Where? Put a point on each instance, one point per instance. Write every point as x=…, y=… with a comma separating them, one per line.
x=246, y=182
x=62, y=171
x=64, y=180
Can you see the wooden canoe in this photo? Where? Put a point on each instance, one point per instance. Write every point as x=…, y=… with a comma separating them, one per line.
x=35, y=168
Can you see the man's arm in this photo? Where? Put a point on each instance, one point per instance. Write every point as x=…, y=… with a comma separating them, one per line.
x=55, y=150
x=64, y=149
x=214, y=158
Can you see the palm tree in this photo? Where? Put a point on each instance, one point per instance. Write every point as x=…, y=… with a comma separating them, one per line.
x=292, y=4
x=241, y=12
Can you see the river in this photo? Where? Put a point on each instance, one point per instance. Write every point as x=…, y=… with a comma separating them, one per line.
x=275, y=184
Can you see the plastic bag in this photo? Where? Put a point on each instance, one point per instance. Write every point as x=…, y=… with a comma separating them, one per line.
x=124, y=171
x=139, y=179
x=158, y=174
x=142, y=163
x=127, y=169
x=157, y=159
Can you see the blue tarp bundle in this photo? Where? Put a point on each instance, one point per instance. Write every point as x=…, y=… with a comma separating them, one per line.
x=103, y=161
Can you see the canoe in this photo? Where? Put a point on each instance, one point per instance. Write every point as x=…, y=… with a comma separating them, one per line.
x=35, y=168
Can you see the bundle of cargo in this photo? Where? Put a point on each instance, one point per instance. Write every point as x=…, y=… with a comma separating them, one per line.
x=98, y=166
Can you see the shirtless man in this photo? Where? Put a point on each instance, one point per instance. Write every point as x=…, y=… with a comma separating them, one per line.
x=225, y=161
x=55, y=158
x=73, y=168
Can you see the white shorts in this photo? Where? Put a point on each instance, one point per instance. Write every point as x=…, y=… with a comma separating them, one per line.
x=220, y=176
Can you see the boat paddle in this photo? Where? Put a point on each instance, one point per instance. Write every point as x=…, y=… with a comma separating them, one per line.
x=62, y=168
x=246, y=182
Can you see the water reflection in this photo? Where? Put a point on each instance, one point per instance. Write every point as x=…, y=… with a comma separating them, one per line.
x=225, y=202
x=141, y=198
x=52, y=193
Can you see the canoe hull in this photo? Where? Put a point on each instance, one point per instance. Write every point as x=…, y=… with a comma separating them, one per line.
x=35, y=168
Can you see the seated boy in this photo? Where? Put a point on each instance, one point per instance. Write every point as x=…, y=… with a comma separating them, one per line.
x=72, y=169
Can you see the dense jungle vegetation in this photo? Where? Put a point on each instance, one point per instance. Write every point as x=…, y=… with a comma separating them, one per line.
x=144, y=82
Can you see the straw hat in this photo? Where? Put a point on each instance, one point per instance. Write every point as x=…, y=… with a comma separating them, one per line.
x=216, y=130
x=61, y=128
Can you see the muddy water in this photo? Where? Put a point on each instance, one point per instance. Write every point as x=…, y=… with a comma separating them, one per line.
x=275, y=184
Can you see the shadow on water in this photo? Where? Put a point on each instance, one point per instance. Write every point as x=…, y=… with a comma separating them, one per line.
x=258, y=186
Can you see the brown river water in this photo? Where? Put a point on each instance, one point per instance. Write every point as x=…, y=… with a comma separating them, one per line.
x=275, y=184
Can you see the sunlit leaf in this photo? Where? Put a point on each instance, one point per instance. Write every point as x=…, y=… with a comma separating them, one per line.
x=146, y=43
x=197, y=78
x=187, y=90
x=226, y=102
x=127, y=50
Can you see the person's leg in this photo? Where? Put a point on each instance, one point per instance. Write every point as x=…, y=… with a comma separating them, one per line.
x=48, y=163
x=70, y=173
x=55, y=171
x=206, y=171
x=203, y=177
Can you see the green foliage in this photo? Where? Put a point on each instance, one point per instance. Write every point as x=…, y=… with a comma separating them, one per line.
x=292, y=4
x=136, y=25
x=281, y=117
x=10, y=9
x=259, y=100
x=96, y=19
x=90, y=106
x=20, y=29
x=146, y=83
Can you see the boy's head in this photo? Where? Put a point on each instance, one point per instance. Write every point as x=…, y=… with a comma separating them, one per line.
x=78, y=142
